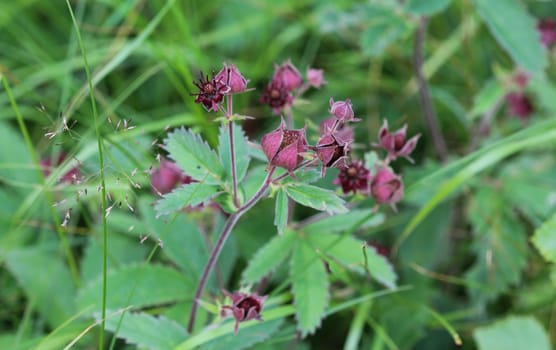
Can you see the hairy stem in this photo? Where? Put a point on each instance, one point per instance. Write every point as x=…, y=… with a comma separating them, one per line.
x=215, y=253
x=229, y=105
x=424, y=93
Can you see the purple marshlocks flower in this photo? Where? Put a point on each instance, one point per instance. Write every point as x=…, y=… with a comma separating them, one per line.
x=332, y=152
x=232, y=77
x=244, y=307
x=315, y=77
x=70, y=177
x=342, y=110
x=277, y=96
x=283, y=147
x=288, y=76
x=354, y=177
x=387, y=187
x=519, y=105
x=395, y=143
x=167, y=177
x=211, y=92
x=547, y=30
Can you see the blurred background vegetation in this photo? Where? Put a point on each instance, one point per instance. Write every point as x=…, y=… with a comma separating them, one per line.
x=471, y=260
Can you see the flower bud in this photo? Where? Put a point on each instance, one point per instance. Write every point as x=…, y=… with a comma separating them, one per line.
x=283, y=147
x=342, y=110
x=341, y=131
x=315, y=77
x=244, y=307
x=354, y=177
x=232, y=77
x=547, y=30
x=331, y=152
x=167, y=177
x=288, y=75
x=519, y=105
x=387, y=187
x=395, y=143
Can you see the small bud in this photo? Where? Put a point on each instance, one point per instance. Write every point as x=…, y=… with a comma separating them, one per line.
x=232, y=77
x=354, y=177
x=315, y=77
x=519, y=105
x=283, y=147
x=395, y=143
x=547, y=30
x=288, y=75
x=342, y=110
x=387, y=187
x=332, y=152
x=167, y=177
x=244, y=307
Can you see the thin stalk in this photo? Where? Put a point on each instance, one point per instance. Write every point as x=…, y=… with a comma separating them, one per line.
x=215, y=253
x=229, y=105
x=428, y=107
x=102, y=177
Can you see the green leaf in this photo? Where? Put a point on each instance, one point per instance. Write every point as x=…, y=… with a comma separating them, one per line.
x=512, y=333
x=269, y=257
x=147, y=331
x=347, y=251
x=185, y=196
x=384, y=27
x=500, y=244
x=281, y=211
x=194, y=156
x=246, y=337
x=515, y=30
x=354, y=219
x=137, y=285
x=486, y=98
x=309, y=287
x=545, y=239
x=46, y=281
x=316, y=197
x=426, y=7
x=242, y=152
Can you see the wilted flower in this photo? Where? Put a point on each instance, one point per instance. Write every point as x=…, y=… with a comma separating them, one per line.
x=519, y=105
x=342, y=110
x=288, y=76
x=387, y=187
x=547, y=29
x=277, y=96
x=354, y=177
x=395, y=143
x=211, y=92
x=315, y=77
x=232, y=77
x=71, y=176
x=167, y=177
x=244, y=307
x=332, y=152
x=283, y=147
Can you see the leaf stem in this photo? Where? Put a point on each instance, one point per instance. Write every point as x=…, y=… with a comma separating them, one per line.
x=215, y=253
x=229, y=105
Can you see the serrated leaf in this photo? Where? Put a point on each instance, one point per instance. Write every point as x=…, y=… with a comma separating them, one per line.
x=147, y=331
x=500, y=245
x=281, y=211
x=515, y=30
x=348, y=252
x=194, y=156
x=316, y=197
x=512, y=333
x=185, y=196
x=246, y=337
x=355, y=218
x=242, y=152
x=545, y=239
x=269, y=257
x=426, y=7
x=309, y=287
x=137, y=285
x=39, y=273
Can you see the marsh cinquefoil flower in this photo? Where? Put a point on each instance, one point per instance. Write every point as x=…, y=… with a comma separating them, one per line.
x=244, y=307
x=232, y=77
x=283, y=147
x=395, y=143
x=211, y=92
x=354, y=177
x=387, y=187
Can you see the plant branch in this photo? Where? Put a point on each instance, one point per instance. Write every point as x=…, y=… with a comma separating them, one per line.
x=424, y=93
x=229, y=105
x=215, y=253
